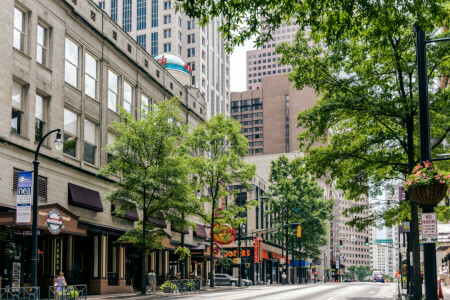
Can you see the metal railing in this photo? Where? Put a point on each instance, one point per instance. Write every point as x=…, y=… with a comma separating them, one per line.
x=187, y=285
x=22, y=293
x=66, y=292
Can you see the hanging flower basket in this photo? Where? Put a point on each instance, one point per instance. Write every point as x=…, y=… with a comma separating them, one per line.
x=427, y=185
x=428, y=194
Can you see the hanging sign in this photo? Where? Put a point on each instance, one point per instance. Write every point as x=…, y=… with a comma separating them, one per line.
x=224, y=234
x=54, y=221
x=406, y=226
x=23, y=208
x=429, y=224
x=256, y=249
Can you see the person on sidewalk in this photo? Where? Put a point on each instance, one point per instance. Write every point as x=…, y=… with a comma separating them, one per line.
x=268, y=278
x=283, y=278
x=152, y=282
x=443, y=271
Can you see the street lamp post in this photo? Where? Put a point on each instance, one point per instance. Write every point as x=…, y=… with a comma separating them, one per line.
x=34, y=240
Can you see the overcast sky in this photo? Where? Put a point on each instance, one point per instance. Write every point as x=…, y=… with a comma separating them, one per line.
x=238, y=67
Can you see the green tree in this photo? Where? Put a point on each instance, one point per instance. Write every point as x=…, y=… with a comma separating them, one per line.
x=220, y=148
x=352, y=270
x=154, y=173
x=297, y=198
x=365, y=74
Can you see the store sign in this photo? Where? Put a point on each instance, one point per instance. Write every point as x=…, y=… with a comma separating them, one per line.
x=234, y=253
x=54, y=221
x=23, y=209
x=256, y=249
x=224, y=234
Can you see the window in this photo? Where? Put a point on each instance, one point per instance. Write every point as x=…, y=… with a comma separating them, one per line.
x=154, y=47
x=101, y=5
x=17, y=100
x=70, y=132
x=154, y=14
x=90, y=76
x=71, y=63
x=180, y=50
x=114, y=10
x=126, y=15
x=89, y=142
x=40, y=118
x=42, y=45
x=127, y=96
x=141, y=39
x=180, y=21
x=141, y=14
x=113, y=90
x=167, y=33
x=192, y=65
x=191, y=24
x=191, y=52
x=19, y=29
x=167, y=5
x=180, y=36
x=167, y=47
x=191, y=38
x=144, y=104
x=167, y=19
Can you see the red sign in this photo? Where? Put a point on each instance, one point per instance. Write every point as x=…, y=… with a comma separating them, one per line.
x=234, y=253
x=224, y=234
x=162, y=61
x=256, y=243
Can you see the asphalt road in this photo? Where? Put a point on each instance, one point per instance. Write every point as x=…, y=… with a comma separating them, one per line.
x=320, y=291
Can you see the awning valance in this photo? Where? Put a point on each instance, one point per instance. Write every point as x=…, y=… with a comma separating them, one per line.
x=200, y=232
x=130, y=215
x=158, y=220
x=84, y=198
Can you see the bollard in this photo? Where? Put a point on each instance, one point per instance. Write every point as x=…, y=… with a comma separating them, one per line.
x=440, y=294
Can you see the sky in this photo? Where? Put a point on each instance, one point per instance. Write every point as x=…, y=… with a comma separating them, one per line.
x=238, y=67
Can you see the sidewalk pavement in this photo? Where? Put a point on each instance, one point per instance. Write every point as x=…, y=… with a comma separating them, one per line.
x=159, y=294
x=446, y=291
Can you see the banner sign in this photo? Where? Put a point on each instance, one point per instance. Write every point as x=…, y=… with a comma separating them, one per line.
x=256, y=249
x=223, y=234
x=23, y=208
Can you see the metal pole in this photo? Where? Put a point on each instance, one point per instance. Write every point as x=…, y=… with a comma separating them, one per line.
x=211, y=265
x=239, y=254
x=183, y=262
x=425, y=155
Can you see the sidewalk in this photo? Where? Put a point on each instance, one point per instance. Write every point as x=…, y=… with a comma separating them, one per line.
x=160, y=294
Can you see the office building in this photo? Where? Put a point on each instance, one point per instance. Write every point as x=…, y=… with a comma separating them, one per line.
x=156, y=26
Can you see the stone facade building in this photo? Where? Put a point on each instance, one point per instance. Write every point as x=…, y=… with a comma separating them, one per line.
x=67, y=65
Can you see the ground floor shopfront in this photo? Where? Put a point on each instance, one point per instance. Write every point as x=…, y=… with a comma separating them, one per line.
x=88, y=254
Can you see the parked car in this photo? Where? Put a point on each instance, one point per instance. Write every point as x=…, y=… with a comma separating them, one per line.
x=225, y=279
x=379, y=279
x=247, y=282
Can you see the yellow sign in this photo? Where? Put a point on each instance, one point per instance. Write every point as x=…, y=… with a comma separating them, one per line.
x=299, y=231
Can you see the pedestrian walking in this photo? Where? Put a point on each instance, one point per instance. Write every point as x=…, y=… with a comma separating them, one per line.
x=152, y=282
x=443, y=271
x=268, y=278
x=283, y=278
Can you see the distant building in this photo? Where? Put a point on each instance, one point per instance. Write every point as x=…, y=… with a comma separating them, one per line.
x=156, y=26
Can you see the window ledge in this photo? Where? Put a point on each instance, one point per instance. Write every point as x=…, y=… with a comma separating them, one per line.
x=44, y=67
x=71, y=159
x=21, y=53
x=75, y=89
x=20, y=136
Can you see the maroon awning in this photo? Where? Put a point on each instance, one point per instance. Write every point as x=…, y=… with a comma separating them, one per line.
x=185, y=231
x=130, y=215
x=85, y=198
x=158, y=220
x=200, y=232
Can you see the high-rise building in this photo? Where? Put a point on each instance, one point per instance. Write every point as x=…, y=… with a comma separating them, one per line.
x=264, y=61
x=156, y=26
x=269, y=115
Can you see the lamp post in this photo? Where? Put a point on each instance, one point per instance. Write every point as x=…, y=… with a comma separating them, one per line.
x=34, y=240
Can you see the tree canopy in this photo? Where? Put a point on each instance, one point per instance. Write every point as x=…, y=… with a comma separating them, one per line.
x=297, y=198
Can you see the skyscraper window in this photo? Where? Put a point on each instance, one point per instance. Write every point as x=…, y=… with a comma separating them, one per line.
x=141, y=14
x=154, y=49
x=155, y=14
x=114, y=10
x=126, y=15
x=141, y=39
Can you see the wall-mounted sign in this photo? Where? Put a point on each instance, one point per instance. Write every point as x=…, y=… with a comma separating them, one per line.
x=23, y=210
x=54, y=221
x=15, y=274
x=224, y=234
x=256, y=249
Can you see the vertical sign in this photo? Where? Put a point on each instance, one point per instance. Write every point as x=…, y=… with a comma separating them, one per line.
x=15, y=274
x=256, y=242
x=58, y=256
x=23, y=211
x=261, y=249
x=401, y=194
x=337, y=264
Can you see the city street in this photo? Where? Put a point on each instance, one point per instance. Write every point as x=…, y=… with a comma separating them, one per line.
x=328, y=291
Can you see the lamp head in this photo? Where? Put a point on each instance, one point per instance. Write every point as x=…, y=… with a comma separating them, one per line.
x=58, y=142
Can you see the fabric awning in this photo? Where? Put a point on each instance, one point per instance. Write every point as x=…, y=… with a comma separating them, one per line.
x=85, y=198
x=158, y=220
x=185, y=231
x=200, y=232
x=130, y=215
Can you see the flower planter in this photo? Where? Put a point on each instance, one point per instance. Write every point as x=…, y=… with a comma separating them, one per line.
x=167, y=289
x=430, y=195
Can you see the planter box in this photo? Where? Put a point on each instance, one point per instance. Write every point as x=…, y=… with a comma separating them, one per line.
x=167, y=289
x=428, y=195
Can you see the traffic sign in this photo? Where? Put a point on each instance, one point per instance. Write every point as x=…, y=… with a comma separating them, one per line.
x=384, y=241
x=429, y=224
x=429, y=239
x=406, y=226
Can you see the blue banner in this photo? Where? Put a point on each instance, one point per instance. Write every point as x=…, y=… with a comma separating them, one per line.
x=23, y=208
